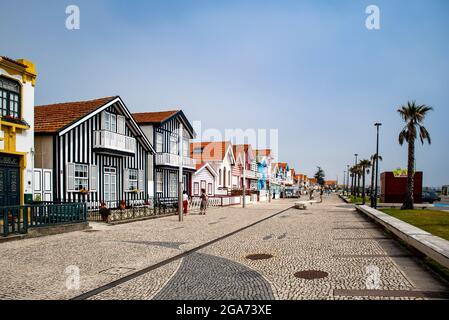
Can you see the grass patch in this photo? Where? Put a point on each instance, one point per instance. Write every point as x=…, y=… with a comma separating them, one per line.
x=359, y=200
x=433, y=221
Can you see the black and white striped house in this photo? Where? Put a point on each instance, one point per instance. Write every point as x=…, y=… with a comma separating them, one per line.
x=91, y=151
x=163, y=129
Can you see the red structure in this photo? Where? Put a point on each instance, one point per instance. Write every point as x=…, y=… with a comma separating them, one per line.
x=392, y=189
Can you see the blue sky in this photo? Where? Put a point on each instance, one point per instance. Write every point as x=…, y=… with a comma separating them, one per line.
x=308, y=68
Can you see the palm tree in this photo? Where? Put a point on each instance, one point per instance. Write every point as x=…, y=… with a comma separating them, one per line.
x=375, y=157
x=364, y=166
x=359, y=176
x=352, y=171
x=413, y=115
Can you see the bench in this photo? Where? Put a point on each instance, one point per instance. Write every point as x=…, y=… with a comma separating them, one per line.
x=302, y=205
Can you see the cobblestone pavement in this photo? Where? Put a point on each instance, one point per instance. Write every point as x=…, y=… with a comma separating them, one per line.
x=36, y=268
x=330, y=237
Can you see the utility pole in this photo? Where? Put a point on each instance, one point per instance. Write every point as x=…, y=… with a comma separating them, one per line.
x=180, y=159
x=377, y=163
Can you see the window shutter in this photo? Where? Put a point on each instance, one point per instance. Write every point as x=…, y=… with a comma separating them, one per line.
x=70, y=175
x=126, y=180
x=141, y=182
x=93, y=171
x=121, y=124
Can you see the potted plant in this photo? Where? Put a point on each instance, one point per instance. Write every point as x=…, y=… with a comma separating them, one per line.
x=122, y=205
x=104, y=212
x=83, y=191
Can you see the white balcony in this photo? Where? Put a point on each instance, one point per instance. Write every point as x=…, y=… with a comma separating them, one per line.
x=250, y=174
x=113, y=141
x=168, y=159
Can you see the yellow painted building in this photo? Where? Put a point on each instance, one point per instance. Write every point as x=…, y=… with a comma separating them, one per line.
x=17, y=81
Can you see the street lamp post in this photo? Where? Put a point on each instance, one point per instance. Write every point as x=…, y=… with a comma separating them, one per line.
x=354, y=181
x=344, y=177
x=377, y=125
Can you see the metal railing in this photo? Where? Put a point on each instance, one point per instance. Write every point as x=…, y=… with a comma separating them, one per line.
x=17, y=219
x=114, y=141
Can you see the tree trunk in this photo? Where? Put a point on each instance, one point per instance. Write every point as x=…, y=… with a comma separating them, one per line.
x=408, y=201
x=363, y=187
x=358, y=185
x=372, y=183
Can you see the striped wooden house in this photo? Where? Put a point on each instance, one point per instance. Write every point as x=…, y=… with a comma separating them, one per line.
x=92, y=151
x=170, y=133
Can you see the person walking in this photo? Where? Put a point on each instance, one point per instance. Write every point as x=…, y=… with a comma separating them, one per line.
x=203, y=205
x=185, y=202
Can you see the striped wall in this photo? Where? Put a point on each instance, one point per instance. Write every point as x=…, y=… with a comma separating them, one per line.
x=76, y=146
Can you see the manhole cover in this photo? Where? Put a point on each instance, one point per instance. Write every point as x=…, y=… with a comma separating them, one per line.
x=259, y=256
x=311, y=274
x=117, y=270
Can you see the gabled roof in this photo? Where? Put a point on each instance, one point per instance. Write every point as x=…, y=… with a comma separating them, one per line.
x=61, y=117
x=205, y=165
x=153, y=117
x=54, y=117
x=210, y=151
x=243, y=148
x=159, y=117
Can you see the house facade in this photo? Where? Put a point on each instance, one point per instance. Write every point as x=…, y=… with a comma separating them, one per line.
x=170, y=133
x=221, y=157
x=17, y=82
x=91, y=151
x=264, y=159
x=245, y=168
x=205, y=178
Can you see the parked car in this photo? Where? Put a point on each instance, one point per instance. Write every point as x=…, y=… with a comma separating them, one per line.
x=430, y=196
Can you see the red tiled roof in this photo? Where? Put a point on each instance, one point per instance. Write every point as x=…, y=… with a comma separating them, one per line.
x=238, y=148
x=153, y=117
x=54, y=117
x=210, y=151
x=312, y=180
x=14, y=61
x=263, y=152
x=330, y=182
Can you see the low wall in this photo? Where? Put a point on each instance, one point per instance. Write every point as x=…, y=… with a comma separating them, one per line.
x=431, y=246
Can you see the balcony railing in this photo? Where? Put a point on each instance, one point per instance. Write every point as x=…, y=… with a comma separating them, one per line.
x=168, y=159
x=250, y=174
x=114, y=141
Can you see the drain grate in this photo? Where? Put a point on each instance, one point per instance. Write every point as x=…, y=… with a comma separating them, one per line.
x=259, y=256
x=311, y=274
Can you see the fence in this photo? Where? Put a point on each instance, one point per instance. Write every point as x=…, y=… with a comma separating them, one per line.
x=17, y=219
x=135, y=210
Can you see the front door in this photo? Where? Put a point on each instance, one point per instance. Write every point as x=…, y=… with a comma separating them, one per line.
x=9, y=181
x=110, y=185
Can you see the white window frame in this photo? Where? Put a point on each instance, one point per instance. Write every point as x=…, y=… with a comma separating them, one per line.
x=84, y=169
x=159, y=182
x=185, y=147
x=210, y=188
x=172, y=184
x=133, y=179
x=159, y=142
x=174, y=145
